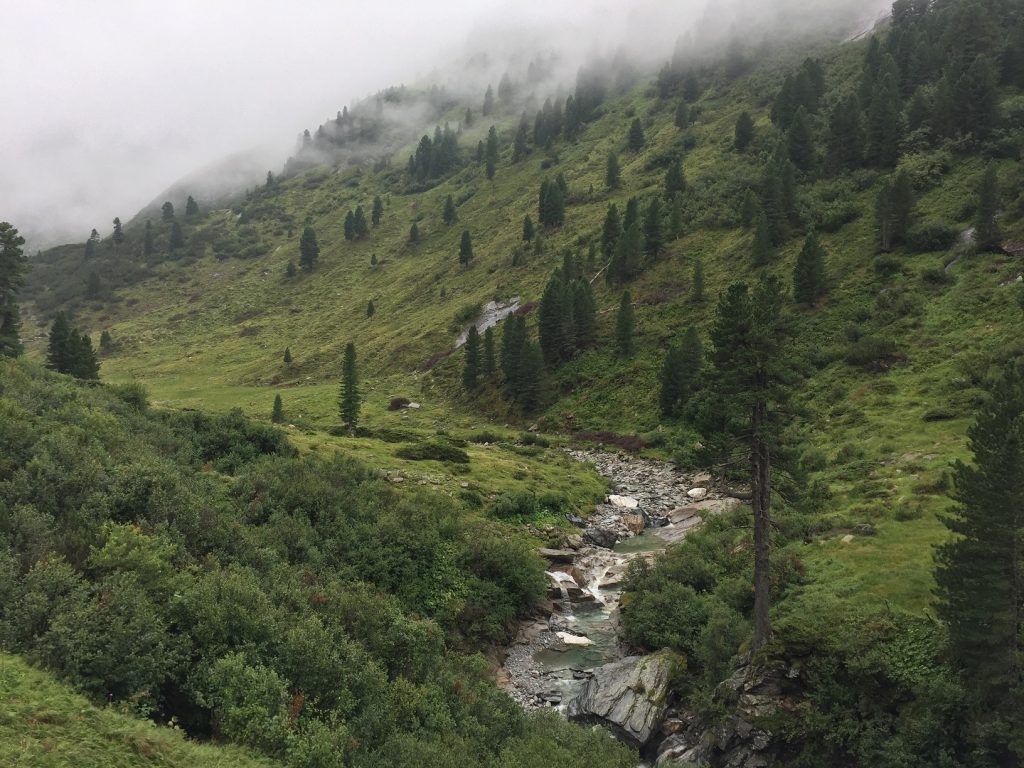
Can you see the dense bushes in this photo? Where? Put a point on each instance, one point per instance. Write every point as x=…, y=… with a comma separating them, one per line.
x=301, y=606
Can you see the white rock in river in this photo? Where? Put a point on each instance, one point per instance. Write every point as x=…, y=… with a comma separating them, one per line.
x=625, y=502
x=697, y=493
x=570, y=639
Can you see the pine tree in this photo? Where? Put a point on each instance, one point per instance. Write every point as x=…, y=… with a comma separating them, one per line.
x=177, y=238
x=106, y=341
x=744, y=132
x=167, y=211
x=520, y=148
x=489, y=360
x=682, y=116
x=57, y=357
x=471, y=365
x=747, y=352
x=611, y=231
x=289, y=270
x=147, y=240
x=986, y=229
x=449, y=216
x=90, y=245
x=636, y=139
x=488, y=106
x=980, y=573
x=800, y=141
x=530, y=389
x=976, y=98
x=624, y=326
x=491, y=153
x=465, y=249
x=749, y=210
x=612, y=175
x=675, y=179
x=309, y=249
x=845, y=146
x=902, y=207
x=359, y=226
x=654, y=236
x=277, y=414
x=287, y=356
x=809, y=272
x=884, y=128
x=414, y=233
x=191, y=207
x=761, y=246
x=83, y=362
x=350, y=226
x=584, y=314
x=270, y=180
x=92, y=285
x=551, y=204
x=373, y=259
x=349, y=399
x=13, y=265
x=118, y=234
x=632, y=214
x=377, y=211
x=527, y=228
x=675, y=217
x=626, y=260
x=513, y=340
x=697, y=282
x=681, y=372
x=551, y=316
x=370, y=310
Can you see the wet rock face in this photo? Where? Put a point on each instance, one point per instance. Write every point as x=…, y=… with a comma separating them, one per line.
x=628, y=696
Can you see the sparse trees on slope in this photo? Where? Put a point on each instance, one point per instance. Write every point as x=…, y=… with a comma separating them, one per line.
x=191, y=207
x=309, y=249
x=71, y=352
x=349, y=399
x=13, y=264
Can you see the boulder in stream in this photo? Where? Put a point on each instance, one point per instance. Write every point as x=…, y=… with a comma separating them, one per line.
x=629, y=697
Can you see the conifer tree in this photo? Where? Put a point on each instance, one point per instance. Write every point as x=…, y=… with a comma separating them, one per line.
x=761, y=247
x=747, y=352
x=884, y=217
x=309, y=249
x=449, y=216
x=13, y=265
x=551, y=204
x=800, y=141
x=359, y=226
x=471, y=365
x=675, y=217
x=373, y=259
x=488, y=106
x=414, y=233
x=465, y=249
x=106, y=342
x=520, y=148
x=57, y=357
x=697, y=282
x=902, y=206
x=654, y=236
x=177, y=238
x=491, y=152
x=530, y=377
x=289, y=270
x=682, y=116
x=986, y=229
x=277, y=414
x=479, y=152
x=611, y=231
x=626, y=260
x=370, y=310
x=612, y=174
x=92, y=285
x=147, y=240
x=527, y=228
x=884, y=126
x=489, y=360
x=91, y=243
x=632, y=214
x=749, y=210
x=287, y=356
x=167, y=211
x=84, y=364
x=744, y=132
x=118, y=234
x=377, y=211
x=349, y=399
x=845, y=145
x=675, y=179
x=681, y=372
x=350, y=226
x=551, y=314
x=809, y=272
x=980, y=573
x=976, y=98
x=624, y=326
x=636, y=139
x=191, y=207
x=513, y=340
x=584, y=314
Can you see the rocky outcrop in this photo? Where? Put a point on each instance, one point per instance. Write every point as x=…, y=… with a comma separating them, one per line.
x=629, y=697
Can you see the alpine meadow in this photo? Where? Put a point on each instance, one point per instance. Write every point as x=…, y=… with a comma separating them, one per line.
x=589, y=400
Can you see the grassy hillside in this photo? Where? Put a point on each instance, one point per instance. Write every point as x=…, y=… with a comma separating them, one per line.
x=44, y=724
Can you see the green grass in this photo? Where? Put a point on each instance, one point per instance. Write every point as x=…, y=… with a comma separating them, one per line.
x=43, y=724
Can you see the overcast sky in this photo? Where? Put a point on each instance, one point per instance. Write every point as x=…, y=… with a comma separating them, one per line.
x=108, y=102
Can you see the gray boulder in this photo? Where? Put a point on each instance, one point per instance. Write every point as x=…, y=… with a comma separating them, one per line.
x=629, y=697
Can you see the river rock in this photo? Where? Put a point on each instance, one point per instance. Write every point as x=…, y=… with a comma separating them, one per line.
x=624, y=502
x=634, y=523
x=697, y=493
x=557, y=556
x=628, y=696
x=602, y=537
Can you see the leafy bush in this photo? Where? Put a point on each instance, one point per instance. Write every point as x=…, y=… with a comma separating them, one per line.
x=872, y=353
x=433, y=450
x=931, y=235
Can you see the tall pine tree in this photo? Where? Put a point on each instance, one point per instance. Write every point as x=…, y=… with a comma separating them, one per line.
x=13, y=265
x=349, y=399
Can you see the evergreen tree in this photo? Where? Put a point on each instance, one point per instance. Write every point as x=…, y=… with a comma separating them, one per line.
x=505, y=90
x=468, y=120
x=761, y=247
x=551, y=204
x=611, y=231
x=749, y=210
x=632, y=215
x=370, y=308
x=697, y=282
x=675, y=179
x=976, y=98
x=84, y=363
x=902, y=206
x=845, y=146
x=747, y=352
x=287, y=356
x=654, y=236
x=626, y=260
x=177, y=238
x=350, y=226
x=491, y=152
x=744, y=132
x=191, y=207
x=530, y=378
x=373, y=259
x=513, y=340
x=359, y=227
x=471, y=366
x=520, y=148
x=349, y=399
x=92, y=285
x=980, y=573
x=884, y=217
x=147, y=241
x=465, y=249
x=289, y=270
x=527, y=228
x=13, y=265
x=90, y=245
x=167, y=211
x=488, y=106
x=414, y=233
x=479, y=152
x=800, y=141
x=636, y=139
x=624, y=326
x=612, y=175
x=309, y=249
x=377, y=211
x=551, y=316
x=277, y=414
x=57, y=357
x=809, y=272
x=681, y=372
x=584, y=314
x=884, y=126
x=489, y=360
x=118, y=234
x=675, y=217
x=986, y=229
x=106, y=342
x=270, y=179
x=449, y=216
x=682, y=116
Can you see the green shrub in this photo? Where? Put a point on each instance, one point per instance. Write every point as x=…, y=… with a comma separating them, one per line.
x=433, y=450
x=931, y=235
